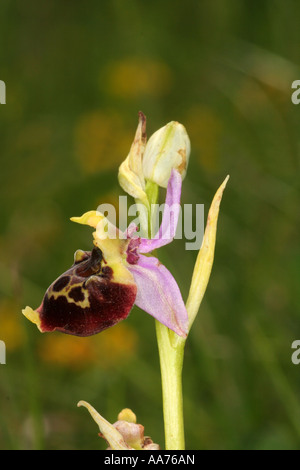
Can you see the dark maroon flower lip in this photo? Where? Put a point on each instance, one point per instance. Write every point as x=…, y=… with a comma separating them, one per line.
x=109, y=303
x=86, y=299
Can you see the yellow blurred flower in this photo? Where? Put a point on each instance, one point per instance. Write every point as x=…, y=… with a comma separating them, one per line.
x=251, y=100
x=133, y=77
x=118, y=343
x=11, y=329
x=34, y=236
x=204, y=128
x=101, y=141
x=115, y=345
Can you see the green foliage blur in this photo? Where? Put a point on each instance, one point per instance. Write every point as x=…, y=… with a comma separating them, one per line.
x=76, y=75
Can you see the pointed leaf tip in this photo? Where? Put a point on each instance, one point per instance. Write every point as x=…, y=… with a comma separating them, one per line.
x=205, y=258
x=110, y=433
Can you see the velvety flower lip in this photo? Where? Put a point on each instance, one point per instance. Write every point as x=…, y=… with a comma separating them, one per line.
x=88, y=298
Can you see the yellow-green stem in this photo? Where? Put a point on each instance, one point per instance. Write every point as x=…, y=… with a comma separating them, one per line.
x=171, y=362
x=171, y=351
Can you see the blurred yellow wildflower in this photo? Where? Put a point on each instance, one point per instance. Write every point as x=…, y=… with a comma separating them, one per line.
x=117, y=344
x=252, y=100
x=11, y=328
x=133, y=77
x=101, y=141
x=205, y=130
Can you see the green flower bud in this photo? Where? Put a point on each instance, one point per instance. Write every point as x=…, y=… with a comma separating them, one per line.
x=167, y=148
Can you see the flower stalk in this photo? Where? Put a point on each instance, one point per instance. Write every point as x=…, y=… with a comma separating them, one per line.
x=171, y=362
x=171, y=346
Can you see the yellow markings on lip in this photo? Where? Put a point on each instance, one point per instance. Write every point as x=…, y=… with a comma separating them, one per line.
x=85, y=303
x=79, y=256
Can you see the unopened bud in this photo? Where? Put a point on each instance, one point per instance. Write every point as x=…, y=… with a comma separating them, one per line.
x=167, y=148
x=124, y=434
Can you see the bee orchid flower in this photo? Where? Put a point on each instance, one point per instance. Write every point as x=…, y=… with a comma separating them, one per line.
x=102, y=286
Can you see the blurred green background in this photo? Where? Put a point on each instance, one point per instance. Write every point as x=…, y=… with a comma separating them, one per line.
x=77, y=73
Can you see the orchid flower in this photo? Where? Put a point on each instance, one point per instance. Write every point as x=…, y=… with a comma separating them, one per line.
x=101, y=287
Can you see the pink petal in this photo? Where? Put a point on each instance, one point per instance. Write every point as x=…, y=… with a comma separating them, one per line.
x=159, y=295
x=168, y=226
